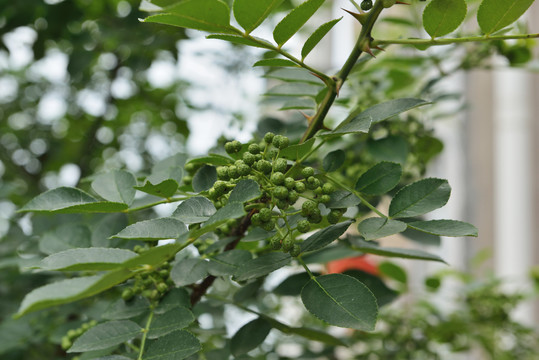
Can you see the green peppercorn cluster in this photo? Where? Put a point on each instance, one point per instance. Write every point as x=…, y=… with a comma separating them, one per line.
x=151, y=283
x=72, y=334
x=280, y=188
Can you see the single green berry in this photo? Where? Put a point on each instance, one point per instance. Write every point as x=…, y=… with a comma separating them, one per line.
x=307, y=171
x=318, y=191
x=280, y=142
x=289, y=183
x=265, y=214
x=282, y=204
x=295, y=251
x=248, y=158
x=256, y=220
x=277, y=178
x=187, y=180
x=212, y=193
x=308, y=208
x=268, y=226
x=312, y=183
x=328, y=188
x=127, y=294
x=275, y=242
x=315, y=218
x=263, y=166
x=233, y=172
x=280, y=165
x=222, y=173
x=299, y=186
x=334, y=216
x=253, y=149
x=268, y=138
x=162, y=287
x=190, y=168
x=220, y=187
x=71, y=333
x=324, y=199
x=304, y=226
x=230, y=148
x=154, y=294
x=225, y=228
x=293, y=196
x=288, y=243
x=164, y=273
x=244, y=170
x=280, y=192
x=66, y=343
x=272, y=153
x=366, y=5
x=259, y=157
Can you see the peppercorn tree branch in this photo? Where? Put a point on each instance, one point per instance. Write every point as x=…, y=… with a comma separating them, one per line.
x=448, y=41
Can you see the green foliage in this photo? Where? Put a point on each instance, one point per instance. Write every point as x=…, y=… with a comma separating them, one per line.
x=284, y=200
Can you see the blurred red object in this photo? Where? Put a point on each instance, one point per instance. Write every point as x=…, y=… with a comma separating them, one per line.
x=362, y=262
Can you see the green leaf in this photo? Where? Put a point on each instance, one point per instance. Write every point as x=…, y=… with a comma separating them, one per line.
x=295, y=20
x=382, y=293
x=330, y=253
x=120, y=310
x=316, y=36
x=294, y=75
x=375, y=228
x=261, y=266
x=362, y=122
x=189, y=271
x=292, y=285
x=249, y=336
x=175, y=346
x=445, y=227
x=155, y=229
x=420, y=198
x=194, y=210
x=116, y=186
x=379, y=179
x=206, y=15
x=333, y=160
x=393, y=271
x=371, y=247
x=250, y=13
x=245, y=190
x=65, y=237
x=166, y=188
x=168, y=168
x=228, y=262
x=212, y=159
x=70, y=290
x=175, y=319
x=391, y=148
x=298, y=104
x=441, y=17
x=294, y=89
x=106, y=335
x=297, y=151
x=275, y=62
x=232, y=210
x=240, y=40
x=494, y=15
x=154, y=257
x=86, y=259
x=66, y=200
x=204, y=178
x=341, y=300
x=342, y=199
x=324, y=237
x=316, y=335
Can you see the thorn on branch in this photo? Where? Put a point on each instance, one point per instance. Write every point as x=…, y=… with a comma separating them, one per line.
x=362, y=18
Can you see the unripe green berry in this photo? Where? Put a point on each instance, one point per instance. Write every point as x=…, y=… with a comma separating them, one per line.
x=304, y=226
x=154, y=294
x=268, y=138
x=366, y=5
x=268, y=226
x=280, y=192
x=277, y=178
x=275, y=242
x=293, y=196
x=127, y=294
x=190, y=167
x=295, y=251
x=318, y=191
x=324, y=199
x=299, y=186
x=288, y=243
x=280, y=142
x=187, y=180
x=244, y=170
x=265, y=214
x=162, y=287
x=289, y=183
x=248, y=158
x=212, y=194
x=312, y=182
x=282, y=204
x=229, y=147
x=253, y=149
x=225, y=228
x=66, y=343
x=222, y=173
x=220, y=187
x=315, y=218
x=334, y=216
x=147, y=293
x=256, y=219
x=71, y=333
x=308, y=208
x=280, y=165
x=164, y=273
x=263, y=166
x=308, y=171
x=233, y=172
x=328, y=188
